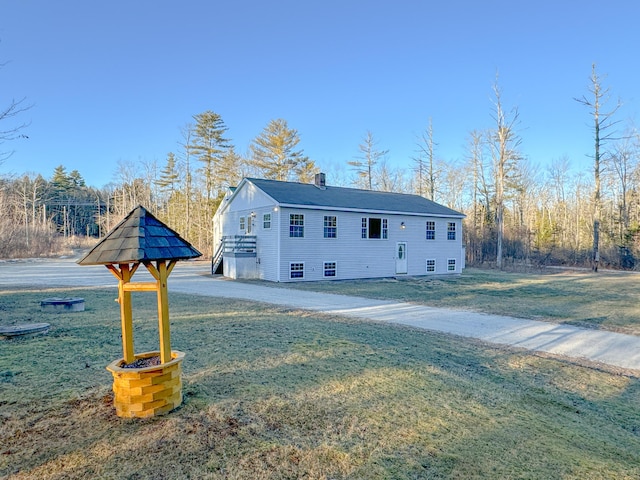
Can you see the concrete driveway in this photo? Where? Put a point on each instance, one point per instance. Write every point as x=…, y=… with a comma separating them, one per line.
x=609, y=348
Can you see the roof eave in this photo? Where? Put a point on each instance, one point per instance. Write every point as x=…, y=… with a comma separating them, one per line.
x=365, y=210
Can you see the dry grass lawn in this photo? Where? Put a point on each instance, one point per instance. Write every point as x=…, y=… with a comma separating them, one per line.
x=281, y=394
x=606, y=300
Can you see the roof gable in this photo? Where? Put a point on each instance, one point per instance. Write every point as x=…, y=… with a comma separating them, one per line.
x=139, y=237
x=341, y=198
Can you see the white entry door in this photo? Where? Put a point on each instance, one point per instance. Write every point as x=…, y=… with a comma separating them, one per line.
x=401, y=257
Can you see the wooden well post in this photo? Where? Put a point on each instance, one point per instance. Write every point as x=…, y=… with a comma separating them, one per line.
x=140, y=238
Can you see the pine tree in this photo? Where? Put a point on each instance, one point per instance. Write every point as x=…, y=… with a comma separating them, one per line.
x=76, y=179
x=169, y=176
x=61, y=180
x=230, y=168
x=209, y=145
x=274, y=153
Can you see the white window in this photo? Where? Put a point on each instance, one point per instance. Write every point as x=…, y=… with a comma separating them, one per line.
x=375, y=228
x=431, y=265
x=330, y=226
x=451, y=265
x=296, y=225
x=242, y=223
x=296, y=270
x=451, y=231
x=431, y=230
x=266, y=221
x=330, y=269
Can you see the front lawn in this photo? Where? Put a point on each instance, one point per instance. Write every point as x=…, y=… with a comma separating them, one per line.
x=272, y=393
x=607, y=300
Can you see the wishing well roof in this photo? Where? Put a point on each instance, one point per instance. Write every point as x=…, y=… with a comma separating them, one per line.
x=139, y=237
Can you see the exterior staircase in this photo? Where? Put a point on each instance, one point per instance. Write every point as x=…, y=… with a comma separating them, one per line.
x=235, y=245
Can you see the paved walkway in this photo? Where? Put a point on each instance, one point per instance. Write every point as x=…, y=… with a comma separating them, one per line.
x=610, y=348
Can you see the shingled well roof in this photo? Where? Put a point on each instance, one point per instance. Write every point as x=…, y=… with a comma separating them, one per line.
x=139, y=237
x=309, y=195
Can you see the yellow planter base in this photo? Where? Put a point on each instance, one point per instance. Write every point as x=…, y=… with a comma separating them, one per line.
x=149, y=391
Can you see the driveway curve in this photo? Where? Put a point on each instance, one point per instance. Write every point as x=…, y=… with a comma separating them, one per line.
x=614, y=349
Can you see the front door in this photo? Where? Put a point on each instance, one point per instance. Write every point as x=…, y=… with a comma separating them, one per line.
x=401, y=257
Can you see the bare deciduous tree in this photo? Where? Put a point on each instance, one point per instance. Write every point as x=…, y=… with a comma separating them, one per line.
x=365, y=163
x=602, y=132
x=425, y=167
x=504, y=146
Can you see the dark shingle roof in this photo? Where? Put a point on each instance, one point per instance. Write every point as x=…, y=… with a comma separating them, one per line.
x=139, y=237
x=309, y=195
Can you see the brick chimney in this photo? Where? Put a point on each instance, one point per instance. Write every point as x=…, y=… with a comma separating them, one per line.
x=320, y=180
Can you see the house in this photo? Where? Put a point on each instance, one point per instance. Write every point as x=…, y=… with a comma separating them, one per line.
x=288, y=231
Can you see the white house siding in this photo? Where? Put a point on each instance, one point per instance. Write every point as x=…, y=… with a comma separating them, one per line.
x=356, y=257
x=267, y=245
x=247, y=201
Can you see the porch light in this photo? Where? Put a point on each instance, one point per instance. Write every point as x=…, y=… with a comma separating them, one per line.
x=402, y=225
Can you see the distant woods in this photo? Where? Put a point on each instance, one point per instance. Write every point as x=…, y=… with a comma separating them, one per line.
x=518, y=213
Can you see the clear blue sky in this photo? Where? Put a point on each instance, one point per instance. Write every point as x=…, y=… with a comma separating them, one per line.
x=117, y=80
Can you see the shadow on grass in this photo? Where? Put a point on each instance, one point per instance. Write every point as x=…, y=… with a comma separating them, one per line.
x=274, y=393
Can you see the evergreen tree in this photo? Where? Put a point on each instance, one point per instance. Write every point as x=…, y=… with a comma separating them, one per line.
x=76, y=180
x=306, y=170
x=60, y=180
x=274, y=153
x=230, y=168
x=169, y=176
x=209, y=145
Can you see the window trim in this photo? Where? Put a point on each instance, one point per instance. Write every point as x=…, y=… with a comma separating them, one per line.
x=265, y=221
x=431, y=231
x=451, y=230
x=335, y=269
x=296, y=228
x=327, y=228
x=427, y=265
x=449, y=264
x=291, y=271
x=243, y=224
x=365, y=228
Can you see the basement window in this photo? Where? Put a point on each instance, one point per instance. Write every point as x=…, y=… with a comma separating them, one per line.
x=296, y=270
x=431, y=265
x=330, y=269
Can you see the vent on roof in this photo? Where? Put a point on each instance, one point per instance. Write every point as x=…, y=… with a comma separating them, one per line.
x=320, y=180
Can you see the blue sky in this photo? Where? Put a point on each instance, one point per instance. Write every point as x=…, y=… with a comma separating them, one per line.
x=117, y=80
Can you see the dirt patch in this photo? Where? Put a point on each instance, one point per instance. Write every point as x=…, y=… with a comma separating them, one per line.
x=143, y=362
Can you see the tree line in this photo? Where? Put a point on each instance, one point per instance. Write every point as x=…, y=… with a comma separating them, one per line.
x=518, y=213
